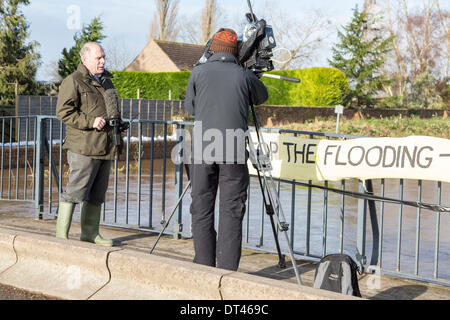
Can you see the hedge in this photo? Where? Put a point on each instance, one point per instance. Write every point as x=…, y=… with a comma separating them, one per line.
x=152, y=85
x=318, y=86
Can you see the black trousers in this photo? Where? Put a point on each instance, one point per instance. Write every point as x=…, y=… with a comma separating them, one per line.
x=225, y=246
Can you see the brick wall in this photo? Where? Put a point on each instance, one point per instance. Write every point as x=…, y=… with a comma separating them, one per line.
x=276, y=116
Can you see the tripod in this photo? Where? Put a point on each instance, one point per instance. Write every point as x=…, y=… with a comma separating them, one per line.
x=261, y=162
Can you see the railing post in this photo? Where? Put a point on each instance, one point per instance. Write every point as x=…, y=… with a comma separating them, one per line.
x=361, y=229
x=178, y=222
x=374, y=260
x=40, y=167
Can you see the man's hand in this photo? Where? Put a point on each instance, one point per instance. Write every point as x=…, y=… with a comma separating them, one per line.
x=99, y=123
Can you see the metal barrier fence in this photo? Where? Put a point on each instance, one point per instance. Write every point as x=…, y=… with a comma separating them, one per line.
x=145, y=184
x=139, y=109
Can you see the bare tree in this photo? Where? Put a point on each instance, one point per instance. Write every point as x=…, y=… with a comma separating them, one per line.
x=301, y=39
x=421, y=42
x=396, y=61
x=189, y=31
x=209, y=19
x=444, y=19
x=164, y=25
x=368, y=5
x=50, y=71
x=118, y=53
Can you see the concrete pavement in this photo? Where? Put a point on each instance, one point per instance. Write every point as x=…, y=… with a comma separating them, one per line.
x=92, y=272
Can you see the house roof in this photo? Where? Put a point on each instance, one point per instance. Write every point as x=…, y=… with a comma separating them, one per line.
x=183, y=55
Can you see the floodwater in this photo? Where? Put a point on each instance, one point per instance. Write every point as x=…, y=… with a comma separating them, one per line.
x=145, y=200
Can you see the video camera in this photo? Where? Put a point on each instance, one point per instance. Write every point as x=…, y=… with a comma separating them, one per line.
x=255, y=46
x=118, y=126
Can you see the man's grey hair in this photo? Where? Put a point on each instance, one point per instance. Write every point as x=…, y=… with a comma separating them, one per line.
x=86, y=48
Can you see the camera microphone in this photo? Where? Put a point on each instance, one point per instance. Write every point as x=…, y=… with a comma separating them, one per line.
x=111, y=103
x=112, y=112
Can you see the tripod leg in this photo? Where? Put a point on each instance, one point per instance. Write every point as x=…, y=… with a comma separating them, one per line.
x=281, y=257
x=291, y=254
x=270, y=212
x=282, y=226
x=170, y=217
x=269, y=204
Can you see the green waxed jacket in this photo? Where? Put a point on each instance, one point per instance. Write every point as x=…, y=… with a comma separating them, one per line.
x=80, y=101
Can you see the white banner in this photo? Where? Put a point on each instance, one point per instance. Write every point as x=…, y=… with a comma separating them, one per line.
x=271, y=148
x=415, y=157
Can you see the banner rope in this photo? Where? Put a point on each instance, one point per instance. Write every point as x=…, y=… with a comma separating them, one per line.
x=369, y=196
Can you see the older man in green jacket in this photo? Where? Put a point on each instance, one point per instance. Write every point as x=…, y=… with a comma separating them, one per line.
x=81, y=107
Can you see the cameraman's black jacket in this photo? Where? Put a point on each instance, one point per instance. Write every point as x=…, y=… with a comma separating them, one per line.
x=218, y=94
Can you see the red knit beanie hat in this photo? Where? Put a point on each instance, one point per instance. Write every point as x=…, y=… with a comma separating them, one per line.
x=225, y=40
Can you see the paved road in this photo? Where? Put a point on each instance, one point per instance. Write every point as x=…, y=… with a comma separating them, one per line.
x=252, y=262
x=12, y=293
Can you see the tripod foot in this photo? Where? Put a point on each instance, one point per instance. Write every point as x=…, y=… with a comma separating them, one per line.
x=282, y=262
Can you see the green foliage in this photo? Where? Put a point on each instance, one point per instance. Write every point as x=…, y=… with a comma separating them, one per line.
x=443, y=88
x=396, y=126
x=318, y=87
x=424, y=94
x=18, y=59
x=71, y=58
x=152, y=85
x=360, y=55
x=390, y=102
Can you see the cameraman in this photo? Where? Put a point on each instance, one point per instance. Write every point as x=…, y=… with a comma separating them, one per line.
x=218, y=94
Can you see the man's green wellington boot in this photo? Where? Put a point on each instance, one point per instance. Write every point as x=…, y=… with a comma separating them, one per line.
x=65, y=212
x=90, y=220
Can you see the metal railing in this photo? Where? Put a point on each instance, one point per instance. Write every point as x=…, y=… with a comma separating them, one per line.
x=145, y=184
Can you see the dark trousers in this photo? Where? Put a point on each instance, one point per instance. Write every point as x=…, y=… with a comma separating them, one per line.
x=232, y=180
